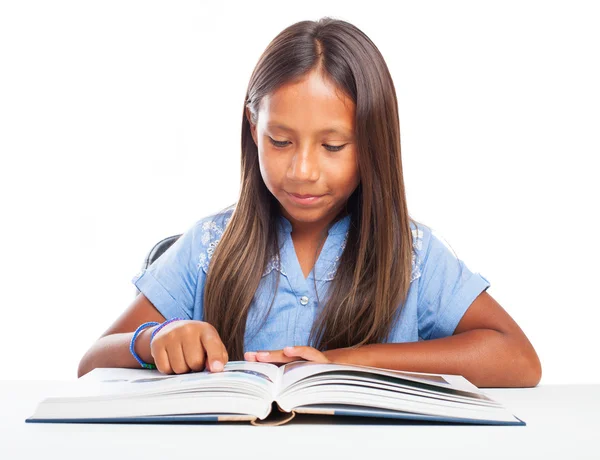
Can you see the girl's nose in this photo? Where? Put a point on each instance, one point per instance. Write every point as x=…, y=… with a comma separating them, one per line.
x=305, y=165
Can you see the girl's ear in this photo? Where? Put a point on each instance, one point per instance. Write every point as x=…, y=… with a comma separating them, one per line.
x=252, y=125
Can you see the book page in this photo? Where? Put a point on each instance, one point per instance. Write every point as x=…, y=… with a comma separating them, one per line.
x=266, y=371
x=298, y=370
x=373, y=389
x=237, y=377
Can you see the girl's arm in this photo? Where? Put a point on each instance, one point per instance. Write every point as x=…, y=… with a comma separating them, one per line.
x=112, y=348
x=488, y=348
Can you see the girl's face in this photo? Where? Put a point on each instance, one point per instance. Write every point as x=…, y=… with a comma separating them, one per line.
x=306, y=146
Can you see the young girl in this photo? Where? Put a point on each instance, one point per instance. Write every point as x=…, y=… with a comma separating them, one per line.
x=318, y=259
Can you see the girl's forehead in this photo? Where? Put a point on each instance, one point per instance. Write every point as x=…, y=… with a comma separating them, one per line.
x=312, y=88
x=311, y=99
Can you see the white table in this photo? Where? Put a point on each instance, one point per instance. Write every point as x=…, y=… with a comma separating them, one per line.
x=563, y=421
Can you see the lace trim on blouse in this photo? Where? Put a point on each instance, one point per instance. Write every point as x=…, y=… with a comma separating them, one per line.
x=211, y=228
x=416, y=260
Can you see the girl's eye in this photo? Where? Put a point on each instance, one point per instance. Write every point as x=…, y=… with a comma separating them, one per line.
x=334, y=148
x=331, y=148
x=279, y=144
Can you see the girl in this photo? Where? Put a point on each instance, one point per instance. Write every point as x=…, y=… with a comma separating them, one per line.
x=319, y=253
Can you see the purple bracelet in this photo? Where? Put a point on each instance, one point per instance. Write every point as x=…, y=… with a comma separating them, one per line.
x=163, y=325
x=132, y=345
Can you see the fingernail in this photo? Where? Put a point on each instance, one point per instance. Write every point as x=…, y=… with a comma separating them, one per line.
x=251, y=353
x=217, y=366
x=263, y=354
x=289, y=348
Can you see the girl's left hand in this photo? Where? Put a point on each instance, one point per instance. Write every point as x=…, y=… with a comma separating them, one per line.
x=287, y=355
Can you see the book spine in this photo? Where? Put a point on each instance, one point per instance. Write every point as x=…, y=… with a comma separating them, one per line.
x=278, y=383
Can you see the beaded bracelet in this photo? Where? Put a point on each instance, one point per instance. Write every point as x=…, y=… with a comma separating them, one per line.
x=132, y=343
x=163, y=325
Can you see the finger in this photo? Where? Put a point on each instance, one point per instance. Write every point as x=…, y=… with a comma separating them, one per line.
x=250, y=356
x=308, y=353
x=274, y=356
x=225, y=354
x=194, y=353
x=215, y=350
x=176, y=359
x=161, y=360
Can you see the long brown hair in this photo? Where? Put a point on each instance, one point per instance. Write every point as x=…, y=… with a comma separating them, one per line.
x=373, y=277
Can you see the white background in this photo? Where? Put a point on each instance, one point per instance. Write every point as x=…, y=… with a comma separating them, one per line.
x=120, y=125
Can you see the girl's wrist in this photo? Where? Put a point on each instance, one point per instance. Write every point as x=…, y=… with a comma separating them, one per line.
x=340, y=355
x=142, y=345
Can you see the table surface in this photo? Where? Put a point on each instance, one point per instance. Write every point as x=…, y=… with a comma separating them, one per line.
x=562, y=422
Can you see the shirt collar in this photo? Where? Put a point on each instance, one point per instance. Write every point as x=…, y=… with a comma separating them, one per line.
x=340, y=227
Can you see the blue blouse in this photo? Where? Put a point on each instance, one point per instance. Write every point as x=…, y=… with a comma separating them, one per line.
x=442, y=287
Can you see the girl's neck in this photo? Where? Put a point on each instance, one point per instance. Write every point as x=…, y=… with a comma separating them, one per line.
x=316, y=231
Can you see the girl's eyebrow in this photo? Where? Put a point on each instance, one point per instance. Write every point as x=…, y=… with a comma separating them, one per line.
x=333, y=129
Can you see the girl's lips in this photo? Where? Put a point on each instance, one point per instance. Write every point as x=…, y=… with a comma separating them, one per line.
x=306, y=196
x=306, y=200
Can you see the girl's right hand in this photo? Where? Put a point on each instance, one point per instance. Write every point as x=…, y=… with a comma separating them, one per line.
x=187, y=345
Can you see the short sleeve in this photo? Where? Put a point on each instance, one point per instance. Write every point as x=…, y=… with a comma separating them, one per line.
x=171, y=282
x=447, y=288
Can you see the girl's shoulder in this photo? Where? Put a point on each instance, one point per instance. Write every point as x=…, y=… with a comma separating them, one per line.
x=209, y=230
x=431, y=250
x=214, y=224
x=423, y=236
x=426, y=241
x=418, y=231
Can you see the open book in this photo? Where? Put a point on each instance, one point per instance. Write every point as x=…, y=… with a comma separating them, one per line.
x=267, y=394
